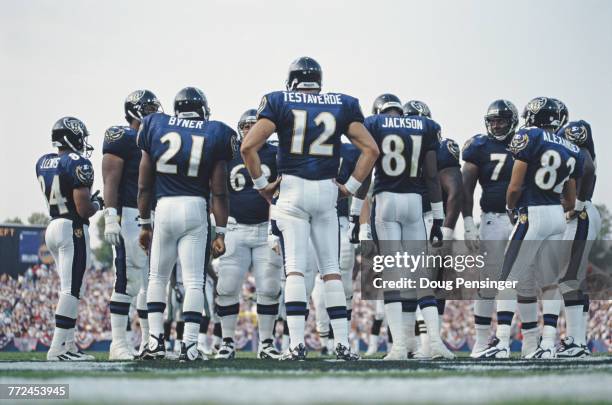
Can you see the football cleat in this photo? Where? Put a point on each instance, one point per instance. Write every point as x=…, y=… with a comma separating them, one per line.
x=478, y=351
x=496, y=350
x=397, y=352
x=204, y=346
x=226, y=351
x=119, y=351
x=298, y=353
x=155, y=349
x=63, y=355
x=543, y=352
x=438, y=350
x=324, y=351
x=267, y=350
x=190, y=352
x=73, y=350
x=568, y=349
x=345, y=354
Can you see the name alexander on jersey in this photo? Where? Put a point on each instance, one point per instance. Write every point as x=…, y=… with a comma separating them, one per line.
x=402, y=122
x=560, y=141
x=311, y=98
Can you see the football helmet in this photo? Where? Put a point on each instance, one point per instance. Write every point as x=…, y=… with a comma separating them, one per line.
x=416, y=107
x=542, y=112
x=247, y=117
x=386, y=102
x=304, y=73
x=71, y=133
x=563, y=113
x=503, y=111
x=191, y=102
x=140, y=103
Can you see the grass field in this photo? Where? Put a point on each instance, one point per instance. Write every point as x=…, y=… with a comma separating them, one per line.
x=247, y=380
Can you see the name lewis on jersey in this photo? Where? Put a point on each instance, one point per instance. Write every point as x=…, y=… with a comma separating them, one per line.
x=311, y=98
x=183, y=123
x=402, y=122
x=49, y=163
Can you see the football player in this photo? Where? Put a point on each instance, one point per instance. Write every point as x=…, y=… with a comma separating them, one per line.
x=346, y=217
x=247, y=247
x=584, y=224
x=66, y=178
x=184, y=158
x=407, y=164
x=545, y=166
x=120, y=161
x=489, y=162
x=309, y=125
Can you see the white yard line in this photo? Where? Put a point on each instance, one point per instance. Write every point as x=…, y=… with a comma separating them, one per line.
x=239, y=390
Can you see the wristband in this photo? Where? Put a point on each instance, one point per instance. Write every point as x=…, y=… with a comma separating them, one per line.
x=356, y=205
x=110, y=212
x=468, y=224
x=579, y=206
x=352, y=185
x=437, y=210
x=365, y=232
x=447, y=233
x=220, y=230
x=260, y=182
x=144, y=221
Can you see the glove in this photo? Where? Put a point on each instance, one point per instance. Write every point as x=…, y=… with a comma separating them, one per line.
x=97, y=201
x=353, y=229
x=436, y=232
x=471, y=234
x=112, y=227
x=512, y=214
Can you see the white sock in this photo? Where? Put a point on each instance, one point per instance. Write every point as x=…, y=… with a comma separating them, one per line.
x=156, y=323
x=295, y=295
x=119, y=327
x=483, y=312
x=335, y=298
x=574, y=320
x=191, y=332
x=60, y=336
x=506, y=307
x=228, y=325
x=430, y=316
x=393, y=313
x=409, y=321
x=144, y=328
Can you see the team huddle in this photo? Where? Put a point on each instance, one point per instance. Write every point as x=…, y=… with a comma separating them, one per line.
x=189, y=201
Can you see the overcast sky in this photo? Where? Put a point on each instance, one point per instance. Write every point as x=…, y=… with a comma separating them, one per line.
x=82, y=58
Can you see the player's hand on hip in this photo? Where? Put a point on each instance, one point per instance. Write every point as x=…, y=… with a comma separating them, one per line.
x=218, y=246
x=342, y=190
x=112, y=228
x=268, y=191
x=144, y=240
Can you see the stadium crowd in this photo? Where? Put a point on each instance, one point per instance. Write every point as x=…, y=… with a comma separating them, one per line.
x=27, y=313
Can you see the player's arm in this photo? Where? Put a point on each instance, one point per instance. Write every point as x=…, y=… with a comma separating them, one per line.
x=220, y=205
x=569, y=194
x=434, y=191
x=86, y=204
x=362, y=139
x=451, y=183
x=251, y=144
x=356, y=211
x=515, y=188
x=584, y=185
x=146, y=178
x=469, y=176
x=112, y=170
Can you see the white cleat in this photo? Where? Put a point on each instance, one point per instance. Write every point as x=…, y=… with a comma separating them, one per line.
x=438, y=350
x=568, y=349
x=397, y=352
x=496, y=350
x=74, y=350
x=543, y=352
x=189, y=352
x=226, y=351
x=267, y=350
x=120, y=351
x=478, y=351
